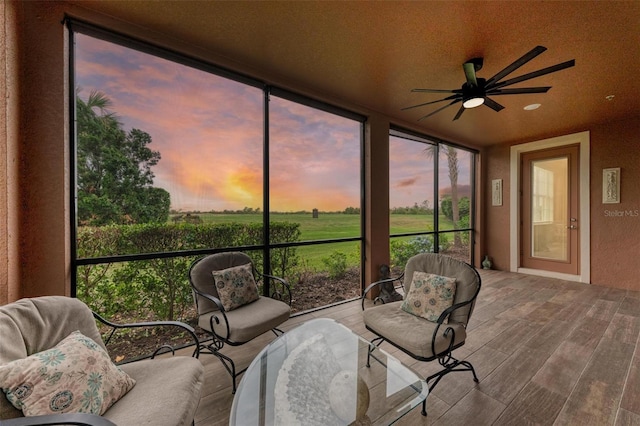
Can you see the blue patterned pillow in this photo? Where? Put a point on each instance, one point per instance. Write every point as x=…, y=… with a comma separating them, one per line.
x=429, y=295
x=76, y=376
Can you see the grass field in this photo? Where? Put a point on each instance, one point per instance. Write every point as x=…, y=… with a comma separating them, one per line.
x=330, y=226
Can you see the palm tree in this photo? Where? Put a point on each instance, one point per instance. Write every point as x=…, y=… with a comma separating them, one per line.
x=452, y=161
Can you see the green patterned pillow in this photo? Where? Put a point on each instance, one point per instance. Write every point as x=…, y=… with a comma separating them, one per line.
x=429, y=295
x=74, y=376
x=236, y=286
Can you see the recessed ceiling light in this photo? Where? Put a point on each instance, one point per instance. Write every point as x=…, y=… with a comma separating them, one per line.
x=610, y=97
x=532, y=107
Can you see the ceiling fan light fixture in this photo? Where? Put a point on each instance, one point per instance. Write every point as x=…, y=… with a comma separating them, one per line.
x=473, y=102
x=531, y=107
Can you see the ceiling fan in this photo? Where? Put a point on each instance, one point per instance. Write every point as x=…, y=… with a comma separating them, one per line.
x=476, y=91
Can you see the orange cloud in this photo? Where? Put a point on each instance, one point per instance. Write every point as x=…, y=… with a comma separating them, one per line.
x=243, y=186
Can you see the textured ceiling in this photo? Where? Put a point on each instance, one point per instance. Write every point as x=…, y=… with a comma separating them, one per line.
x=372, y=54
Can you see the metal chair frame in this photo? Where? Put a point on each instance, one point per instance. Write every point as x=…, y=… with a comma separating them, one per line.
x=445, y=358
x=282, y=293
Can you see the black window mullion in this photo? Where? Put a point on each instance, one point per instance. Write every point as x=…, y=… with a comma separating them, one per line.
x=436, y=204
x=266, y=235
x=72, y=164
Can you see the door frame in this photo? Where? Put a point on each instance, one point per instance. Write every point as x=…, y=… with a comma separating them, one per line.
x=582, y=139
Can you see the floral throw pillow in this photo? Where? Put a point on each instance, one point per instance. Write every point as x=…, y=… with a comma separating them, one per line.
x=76, y=376
x=429, y=295
x=236, y=286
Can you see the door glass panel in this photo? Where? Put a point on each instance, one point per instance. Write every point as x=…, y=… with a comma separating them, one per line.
x=549, y=209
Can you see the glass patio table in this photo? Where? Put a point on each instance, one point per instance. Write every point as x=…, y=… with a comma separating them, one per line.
x=317, y=374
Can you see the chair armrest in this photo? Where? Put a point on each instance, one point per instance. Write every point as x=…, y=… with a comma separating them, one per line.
x=215, y=318
x=445, y=314
x=375, y=284
x=286, y=288
x=59, y=419
x=179, y=324
x=448, y=332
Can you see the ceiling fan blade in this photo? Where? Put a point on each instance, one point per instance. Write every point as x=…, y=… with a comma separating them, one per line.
x=493, y=104
x=517, y=64
x=460, y=111
x=448, y=98
x=440, y=109
x=535, y=74
x=470, y=72
x=437, y=90
x=518, y=91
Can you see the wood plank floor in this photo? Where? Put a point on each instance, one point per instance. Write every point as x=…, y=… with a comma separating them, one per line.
x=546, y=351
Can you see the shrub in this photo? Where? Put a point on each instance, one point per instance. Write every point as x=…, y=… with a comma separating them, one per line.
x=160, y=285
x=403, y=250
x=336, y=264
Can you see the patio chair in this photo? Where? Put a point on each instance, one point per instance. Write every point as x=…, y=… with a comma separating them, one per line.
x=230, y=307
x=430, y=323
x=53, y=360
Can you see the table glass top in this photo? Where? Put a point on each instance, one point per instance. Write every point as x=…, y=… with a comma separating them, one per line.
x=316, y=374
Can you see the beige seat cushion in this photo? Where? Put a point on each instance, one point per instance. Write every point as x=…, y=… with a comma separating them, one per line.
x=249, y=321
x=166, y=393
x=407, y=331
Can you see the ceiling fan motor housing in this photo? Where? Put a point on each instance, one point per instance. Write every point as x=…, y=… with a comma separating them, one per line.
x=470, y=92
x=477, y=63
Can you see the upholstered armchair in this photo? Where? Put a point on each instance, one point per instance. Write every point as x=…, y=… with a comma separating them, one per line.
x=431, y=321
x=230, y=307
x=52, y=356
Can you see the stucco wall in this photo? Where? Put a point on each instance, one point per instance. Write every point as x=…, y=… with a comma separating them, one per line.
x=615, y=228
x=615, y=236
x=4, y=255
x=496, y=218
x=10, y=288
x=34, y=249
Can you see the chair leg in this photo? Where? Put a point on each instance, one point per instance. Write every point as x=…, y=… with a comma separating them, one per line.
x=451, y=365
x=214, y=349
x=229, y=365
x=375, y=343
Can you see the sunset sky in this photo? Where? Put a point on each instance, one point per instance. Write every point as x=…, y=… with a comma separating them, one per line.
x=209, y=132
